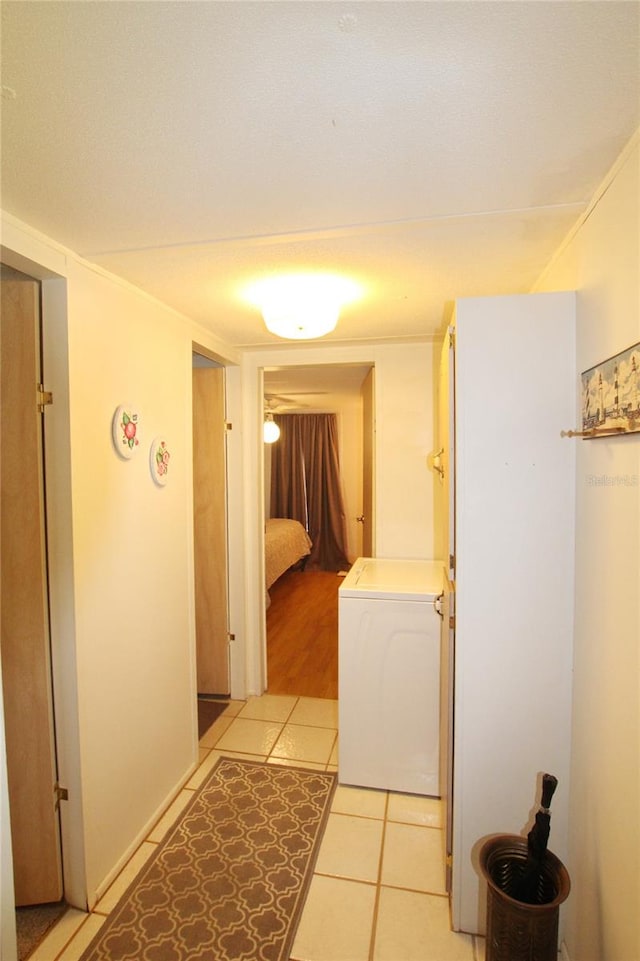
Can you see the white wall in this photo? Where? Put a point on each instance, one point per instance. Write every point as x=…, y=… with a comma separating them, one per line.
x=601, y=261
x=404, y=400
x=121, y=556
x=404, y=411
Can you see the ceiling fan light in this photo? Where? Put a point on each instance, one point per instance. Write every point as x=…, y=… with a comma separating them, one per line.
x=270, y=430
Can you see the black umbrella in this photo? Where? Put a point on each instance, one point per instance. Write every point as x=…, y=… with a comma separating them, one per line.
x=527, y=886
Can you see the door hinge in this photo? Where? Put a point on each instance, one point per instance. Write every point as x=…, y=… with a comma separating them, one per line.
x=228, y=425
x=61, y=794
x=452, y=338
x=452, y=562
x=231, y=637
x=452, y=622
x=43, y=398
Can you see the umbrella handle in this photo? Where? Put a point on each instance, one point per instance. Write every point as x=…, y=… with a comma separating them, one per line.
x=549, y=784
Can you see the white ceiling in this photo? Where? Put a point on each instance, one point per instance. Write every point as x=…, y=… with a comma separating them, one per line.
x=428, y=150
x=312, y=389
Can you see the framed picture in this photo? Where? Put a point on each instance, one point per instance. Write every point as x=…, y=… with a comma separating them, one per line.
x=611, y=395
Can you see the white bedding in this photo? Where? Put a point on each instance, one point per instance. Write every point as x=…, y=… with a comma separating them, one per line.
x=285, y=543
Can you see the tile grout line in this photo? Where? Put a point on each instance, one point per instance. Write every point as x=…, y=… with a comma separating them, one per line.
x=288, y=718
x=333, y=746
x=69, y=940
x=376, y=903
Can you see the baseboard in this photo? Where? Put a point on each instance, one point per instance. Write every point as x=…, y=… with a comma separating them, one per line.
x=94, y=896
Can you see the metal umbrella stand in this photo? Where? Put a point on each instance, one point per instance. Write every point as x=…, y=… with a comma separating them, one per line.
x=526, y=884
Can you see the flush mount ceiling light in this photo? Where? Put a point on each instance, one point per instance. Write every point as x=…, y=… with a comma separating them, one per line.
x=270, y=429
x=302, y=306
x=301, y=323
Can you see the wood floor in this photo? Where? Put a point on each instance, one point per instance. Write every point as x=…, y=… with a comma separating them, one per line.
x=302, y=634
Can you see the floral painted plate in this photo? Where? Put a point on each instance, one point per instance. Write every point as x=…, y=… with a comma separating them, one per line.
x=125, y=429
x=159, y=461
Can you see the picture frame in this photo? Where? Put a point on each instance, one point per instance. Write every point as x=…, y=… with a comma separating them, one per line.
x=611, y=395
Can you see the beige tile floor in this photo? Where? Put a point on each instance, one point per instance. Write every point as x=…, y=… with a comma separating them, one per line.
x=377, y=893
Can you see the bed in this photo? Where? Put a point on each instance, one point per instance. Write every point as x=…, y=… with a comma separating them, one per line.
x=285, y=543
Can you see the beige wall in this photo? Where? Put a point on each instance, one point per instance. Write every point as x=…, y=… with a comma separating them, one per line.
x=601, y=261
x=131, y=544
x=404, y=412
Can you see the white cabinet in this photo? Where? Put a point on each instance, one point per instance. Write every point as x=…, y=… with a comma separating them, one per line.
x=514, y=547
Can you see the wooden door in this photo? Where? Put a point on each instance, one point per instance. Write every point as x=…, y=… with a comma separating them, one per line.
x=24, y=627
x=210, y=530
x=368, y=438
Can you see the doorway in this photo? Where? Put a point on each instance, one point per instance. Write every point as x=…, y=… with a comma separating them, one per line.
x=210, y=528
x=24, y=605
x=305, y=603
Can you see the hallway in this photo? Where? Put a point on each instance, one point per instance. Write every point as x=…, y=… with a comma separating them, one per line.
x=377, y=893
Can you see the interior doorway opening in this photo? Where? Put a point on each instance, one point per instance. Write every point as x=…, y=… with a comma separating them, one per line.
x=300, y=625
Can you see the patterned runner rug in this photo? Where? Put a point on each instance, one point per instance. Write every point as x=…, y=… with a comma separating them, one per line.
x=228, y=882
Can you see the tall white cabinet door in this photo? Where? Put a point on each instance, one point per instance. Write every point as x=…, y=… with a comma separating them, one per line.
x=515, y=390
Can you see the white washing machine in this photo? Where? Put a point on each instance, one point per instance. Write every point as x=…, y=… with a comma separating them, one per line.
x=389, y=675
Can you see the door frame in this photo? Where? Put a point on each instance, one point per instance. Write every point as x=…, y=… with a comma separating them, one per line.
x=368, y=394
x=235, y=520
x=36, y=823
x=49, y=265
x=262, y=493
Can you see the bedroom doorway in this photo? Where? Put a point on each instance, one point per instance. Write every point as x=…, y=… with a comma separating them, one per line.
x=210, y=527
x=304, y=603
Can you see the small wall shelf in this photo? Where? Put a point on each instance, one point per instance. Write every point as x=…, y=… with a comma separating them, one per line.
x=632, y=426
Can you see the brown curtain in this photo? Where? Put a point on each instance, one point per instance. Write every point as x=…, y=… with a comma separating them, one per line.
x=306, y=485
x=288, y=487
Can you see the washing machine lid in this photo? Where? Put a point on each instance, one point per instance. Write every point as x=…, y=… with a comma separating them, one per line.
x=390, y=578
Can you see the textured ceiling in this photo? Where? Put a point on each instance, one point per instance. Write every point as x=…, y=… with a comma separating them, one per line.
x=427, y=150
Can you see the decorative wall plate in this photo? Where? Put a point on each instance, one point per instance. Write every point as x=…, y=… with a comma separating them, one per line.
x=125, y=430
x=159, y=458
